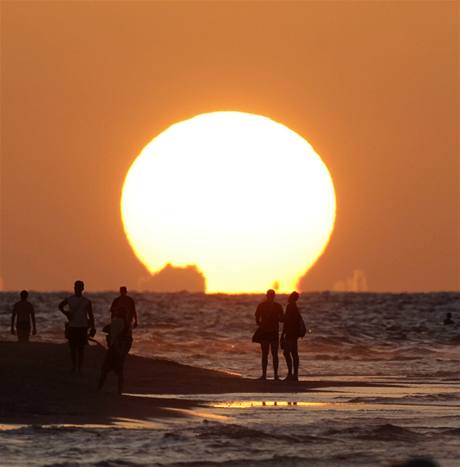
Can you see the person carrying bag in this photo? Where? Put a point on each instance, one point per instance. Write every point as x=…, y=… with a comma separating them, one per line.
x=268, y=316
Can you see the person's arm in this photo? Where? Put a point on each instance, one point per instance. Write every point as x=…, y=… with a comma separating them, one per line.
x=13, y=316
x=113, y=308
x=91, y=318
x=134, y=315
x=258, y=315
x=32, y=316
x=61, y=307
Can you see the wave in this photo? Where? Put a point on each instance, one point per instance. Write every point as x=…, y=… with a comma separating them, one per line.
x=275, y=461
x=384, y=432
x=452, y=432
x=102, y=463
x=239, y=432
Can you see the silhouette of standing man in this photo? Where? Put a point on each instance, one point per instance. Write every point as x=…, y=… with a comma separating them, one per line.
x=268, y=316
x=23, y=314
x=124, y=306
x=80, y=316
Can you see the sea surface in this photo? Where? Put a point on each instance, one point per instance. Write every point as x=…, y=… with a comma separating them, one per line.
x=397, y=340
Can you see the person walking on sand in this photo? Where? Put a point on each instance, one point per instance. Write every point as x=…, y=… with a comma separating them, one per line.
x=22, y=316
x=125, y=307
x=119, y=341
x=80, y=316
x=268, y=316
x=293, y=328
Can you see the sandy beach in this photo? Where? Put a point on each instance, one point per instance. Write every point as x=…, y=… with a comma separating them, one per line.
x=37, y=386
x=176, y=414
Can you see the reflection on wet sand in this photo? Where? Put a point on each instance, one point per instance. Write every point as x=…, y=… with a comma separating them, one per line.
x=255, y=403
x=118, y=422
x=200, y=414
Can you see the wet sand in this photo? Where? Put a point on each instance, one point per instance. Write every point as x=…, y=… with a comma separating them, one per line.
x=37, y=386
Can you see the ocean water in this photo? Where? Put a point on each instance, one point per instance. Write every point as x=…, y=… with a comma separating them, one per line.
x=384, y=338
x=348, y=334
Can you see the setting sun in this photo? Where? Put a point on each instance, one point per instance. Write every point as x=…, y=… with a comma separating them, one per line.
x=242, y=197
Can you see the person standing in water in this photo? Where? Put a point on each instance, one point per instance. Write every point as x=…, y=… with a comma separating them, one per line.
x=448, y=319
x=291, y=332
x=22, y=316
x=268, y=316
x=80, y=316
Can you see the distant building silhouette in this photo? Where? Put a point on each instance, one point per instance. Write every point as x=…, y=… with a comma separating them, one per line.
x=175, y=279
x=357, y=282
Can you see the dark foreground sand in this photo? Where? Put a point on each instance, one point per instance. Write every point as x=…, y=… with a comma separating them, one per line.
x=36, y=386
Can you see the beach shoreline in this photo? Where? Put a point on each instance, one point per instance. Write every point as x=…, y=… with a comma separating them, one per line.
x=177, y=414
x=38, y=387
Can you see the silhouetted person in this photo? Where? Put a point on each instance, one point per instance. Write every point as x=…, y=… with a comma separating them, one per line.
x=289, y=336
x=125, y=306
x=119, y=341
x=22, y=317
x=448, y=319
x=80, y=316
x=417, y=462
x=268, y=316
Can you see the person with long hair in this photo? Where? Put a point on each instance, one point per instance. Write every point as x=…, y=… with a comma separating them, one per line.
x=291, y=332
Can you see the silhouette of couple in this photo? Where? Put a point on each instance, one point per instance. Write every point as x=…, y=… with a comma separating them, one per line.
x=268, y=316
x=79, y=312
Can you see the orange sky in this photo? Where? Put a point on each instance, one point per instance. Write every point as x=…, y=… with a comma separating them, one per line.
x=373, y=86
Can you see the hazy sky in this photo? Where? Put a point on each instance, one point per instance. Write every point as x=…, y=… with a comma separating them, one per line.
x=373, y=86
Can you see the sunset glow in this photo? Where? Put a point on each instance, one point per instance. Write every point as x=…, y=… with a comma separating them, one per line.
x=242, y=197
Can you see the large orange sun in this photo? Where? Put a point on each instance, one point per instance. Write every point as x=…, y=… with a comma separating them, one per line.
x=242, y=197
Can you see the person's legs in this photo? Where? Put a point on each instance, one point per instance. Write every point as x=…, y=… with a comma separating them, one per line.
x=73, y=355
x=121, y=381
x=287, y=357
x=129, y=343
x=82, y=340
x=124, y=354
x=23, y=334
x=295, y=359
x=74, y=342
x=274, y=349
x=104, y=370
x=80, y=356
x=265, y=347
x=102, y=378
